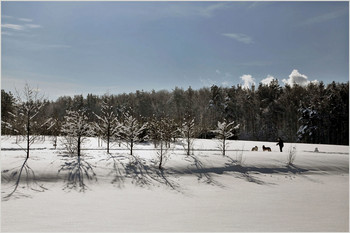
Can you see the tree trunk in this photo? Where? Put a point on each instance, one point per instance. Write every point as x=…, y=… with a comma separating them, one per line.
x=188, y=143
x=79, y=144
x=161, y=155
x=55, y=142
x=131, y=146
x=223, y=147
x=108, y=137
x=28, y=134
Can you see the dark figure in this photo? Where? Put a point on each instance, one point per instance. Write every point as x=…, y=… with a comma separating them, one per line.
x=280, y=143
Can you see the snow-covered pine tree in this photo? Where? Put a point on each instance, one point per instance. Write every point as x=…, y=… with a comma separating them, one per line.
x=224, y=131
x=309, y=124
x=75, y=129
x=188, y=132
x=107, y=126
x=131, y=130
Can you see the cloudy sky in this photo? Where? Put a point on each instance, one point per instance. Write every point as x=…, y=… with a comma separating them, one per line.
x=67, y=48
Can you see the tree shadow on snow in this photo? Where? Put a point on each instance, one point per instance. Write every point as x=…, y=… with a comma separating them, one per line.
x=238, y=170
x=118, y=169
x=77, y=170
x=143, y=174
x=24, y=177
x=203, y=174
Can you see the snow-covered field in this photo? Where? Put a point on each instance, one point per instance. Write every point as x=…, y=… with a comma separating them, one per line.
x=243, y=191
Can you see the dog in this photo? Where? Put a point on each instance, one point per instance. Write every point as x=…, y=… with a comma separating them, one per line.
x=255, y=148
x=266, y=148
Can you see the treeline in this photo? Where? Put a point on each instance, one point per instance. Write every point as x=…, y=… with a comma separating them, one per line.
x=316, y=113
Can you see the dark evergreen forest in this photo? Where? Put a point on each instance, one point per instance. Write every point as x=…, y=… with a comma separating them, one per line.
x=316, y=113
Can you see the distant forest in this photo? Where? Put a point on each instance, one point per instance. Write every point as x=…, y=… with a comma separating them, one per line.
x=316, y=113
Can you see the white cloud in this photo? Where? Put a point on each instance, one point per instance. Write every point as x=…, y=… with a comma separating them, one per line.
x=296, y=78
x=325, y=17
x=24, y=24
x=16, y=27
x=257, y=4
x=209, y=10
x=267, y=80
x=188, y=10
x=248, y=81
x=240, y=37
x=33, y=26
x=25, y=19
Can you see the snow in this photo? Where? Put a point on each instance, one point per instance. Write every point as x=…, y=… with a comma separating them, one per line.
x=204, y=191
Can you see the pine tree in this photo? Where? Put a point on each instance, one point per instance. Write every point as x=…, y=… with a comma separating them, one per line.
x=309, y=129
x=7, y=107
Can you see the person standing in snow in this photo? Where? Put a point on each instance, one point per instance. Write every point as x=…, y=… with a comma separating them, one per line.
x=280, y=143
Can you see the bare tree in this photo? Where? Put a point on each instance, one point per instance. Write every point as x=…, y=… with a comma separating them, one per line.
x=107, y=126
x=188, y=132
x=131, y=130
x=225, y=131
x=25, y=118
x=76, y=129
x=164, y=134
x=55, y=130
x=27, y=124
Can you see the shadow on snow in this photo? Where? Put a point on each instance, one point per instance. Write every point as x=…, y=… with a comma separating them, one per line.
x=24, y=177
x=76, y=171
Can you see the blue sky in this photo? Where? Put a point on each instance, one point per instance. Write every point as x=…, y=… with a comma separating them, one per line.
x=68, y=48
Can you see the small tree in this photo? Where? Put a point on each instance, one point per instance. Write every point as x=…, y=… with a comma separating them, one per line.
x=225, y=131
x=292, y=153
x=76, y=128
x=107, y=126
x=188, y=132
x=55, y=130
x=172, y=130
x=25, y=122
x=163, y=132
x=131, y=130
